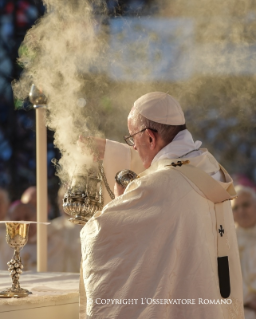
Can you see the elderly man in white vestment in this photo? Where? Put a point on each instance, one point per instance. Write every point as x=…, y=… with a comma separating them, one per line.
x=166, y=246
x=244, y=210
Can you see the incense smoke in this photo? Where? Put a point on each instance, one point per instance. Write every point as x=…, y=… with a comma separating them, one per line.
x=93, y=68
x=57, y=54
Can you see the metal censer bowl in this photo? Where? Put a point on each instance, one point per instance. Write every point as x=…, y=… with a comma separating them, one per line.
x=84, y=197
x=16, y=237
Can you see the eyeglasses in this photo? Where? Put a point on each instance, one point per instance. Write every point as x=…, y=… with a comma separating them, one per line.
x=129, y=138
x=243, y=206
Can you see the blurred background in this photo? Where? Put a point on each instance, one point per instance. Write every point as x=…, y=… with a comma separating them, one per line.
x=202, y=53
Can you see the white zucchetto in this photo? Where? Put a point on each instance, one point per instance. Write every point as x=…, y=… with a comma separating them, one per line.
x=161, y=108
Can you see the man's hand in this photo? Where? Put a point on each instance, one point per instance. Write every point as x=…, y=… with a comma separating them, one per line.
x=98, y=143
x=118, y=189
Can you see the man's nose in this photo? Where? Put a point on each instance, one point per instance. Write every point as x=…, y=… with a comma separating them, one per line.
x=134, y=146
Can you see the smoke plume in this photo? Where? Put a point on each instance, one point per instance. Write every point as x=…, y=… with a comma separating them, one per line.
x=92, y=68
x=57, y=54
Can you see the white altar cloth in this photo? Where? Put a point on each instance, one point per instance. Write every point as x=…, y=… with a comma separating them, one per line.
x=54, y=296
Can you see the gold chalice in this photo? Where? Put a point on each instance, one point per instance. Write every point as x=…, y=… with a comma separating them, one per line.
x=16, y=237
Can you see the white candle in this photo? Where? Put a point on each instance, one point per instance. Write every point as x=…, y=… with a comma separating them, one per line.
x=41, y=186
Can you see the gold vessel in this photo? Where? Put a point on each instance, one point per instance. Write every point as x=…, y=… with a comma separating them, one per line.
x=16, y=237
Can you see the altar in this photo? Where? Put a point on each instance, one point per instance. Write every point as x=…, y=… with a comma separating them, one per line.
x=54, y=296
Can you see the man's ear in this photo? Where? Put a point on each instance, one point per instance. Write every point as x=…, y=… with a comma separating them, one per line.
x=152, y=138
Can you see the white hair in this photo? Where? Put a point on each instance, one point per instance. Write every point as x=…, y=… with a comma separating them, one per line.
x=240, y=189
x=167, y=132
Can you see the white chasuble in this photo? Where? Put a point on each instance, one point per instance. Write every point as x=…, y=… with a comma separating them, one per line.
x=152, y=252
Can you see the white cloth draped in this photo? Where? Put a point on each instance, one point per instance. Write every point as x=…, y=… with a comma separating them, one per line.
x=118, y=157
x=158, y=240
x=182, y=144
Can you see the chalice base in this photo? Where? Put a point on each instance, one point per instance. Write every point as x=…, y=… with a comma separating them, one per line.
x=14, y=293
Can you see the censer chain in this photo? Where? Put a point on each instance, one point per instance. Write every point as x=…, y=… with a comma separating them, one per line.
x=100, y=166
x=104, y=178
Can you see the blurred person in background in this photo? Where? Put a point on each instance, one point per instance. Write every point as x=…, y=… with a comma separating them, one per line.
x=29, y=196
x=67, y=254
x=64, y=249
x=244, y=210
x=4, y=205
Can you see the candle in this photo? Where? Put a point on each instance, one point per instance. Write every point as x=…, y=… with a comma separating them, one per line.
x=41, y=185
x=37, y=97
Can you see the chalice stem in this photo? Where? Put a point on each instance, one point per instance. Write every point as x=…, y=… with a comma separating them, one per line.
x=17, y=269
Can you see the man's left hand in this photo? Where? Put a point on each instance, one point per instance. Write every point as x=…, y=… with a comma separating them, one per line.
x=118, y=189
